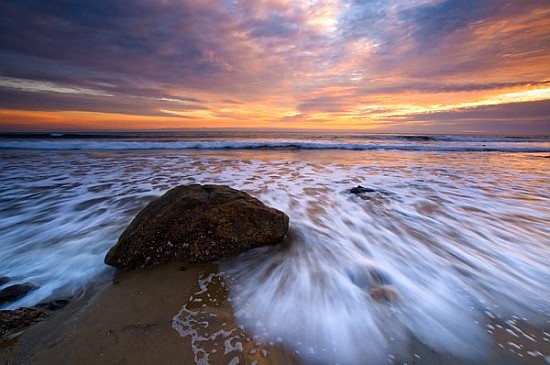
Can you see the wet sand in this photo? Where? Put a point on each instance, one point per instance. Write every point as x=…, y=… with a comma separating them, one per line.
x=129, y=321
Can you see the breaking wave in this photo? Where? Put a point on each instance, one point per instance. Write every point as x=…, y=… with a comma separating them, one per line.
x=116, y=145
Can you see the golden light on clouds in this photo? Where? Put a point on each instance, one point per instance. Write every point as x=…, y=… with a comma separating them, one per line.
x=276, y=64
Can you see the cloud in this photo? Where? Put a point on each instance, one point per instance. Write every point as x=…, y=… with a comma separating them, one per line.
x=251, y=60
x=533, y=117
x=323, y=105
x=430, y=87
x=19, y=100
x=436, y=21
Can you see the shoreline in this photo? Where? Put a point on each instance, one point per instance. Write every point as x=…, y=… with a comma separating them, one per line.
x=129, y=320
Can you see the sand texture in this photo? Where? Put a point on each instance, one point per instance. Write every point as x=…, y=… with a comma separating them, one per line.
x=129, y=321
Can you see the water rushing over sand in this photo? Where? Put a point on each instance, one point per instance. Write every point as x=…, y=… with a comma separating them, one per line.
x=449, y=246
x=443, y=243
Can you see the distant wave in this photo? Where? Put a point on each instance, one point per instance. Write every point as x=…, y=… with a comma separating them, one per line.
x=64, y=145
x=206, y=135
x=441, y=138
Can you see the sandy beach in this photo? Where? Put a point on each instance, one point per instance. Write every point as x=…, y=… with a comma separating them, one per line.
x=129, y=320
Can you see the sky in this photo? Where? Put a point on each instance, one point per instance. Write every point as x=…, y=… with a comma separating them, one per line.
x=392, y=66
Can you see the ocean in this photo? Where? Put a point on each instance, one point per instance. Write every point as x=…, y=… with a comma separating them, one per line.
x=456, y=227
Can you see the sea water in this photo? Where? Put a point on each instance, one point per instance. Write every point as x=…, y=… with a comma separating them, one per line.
x=454, y=229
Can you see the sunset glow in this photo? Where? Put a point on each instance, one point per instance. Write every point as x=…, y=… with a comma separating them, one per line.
x=426, y=66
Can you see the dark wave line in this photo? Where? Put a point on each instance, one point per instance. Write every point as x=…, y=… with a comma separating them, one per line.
x=181, y=136
x=252, y=145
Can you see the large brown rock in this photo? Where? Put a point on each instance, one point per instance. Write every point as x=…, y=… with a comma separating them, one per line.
x=197, y=223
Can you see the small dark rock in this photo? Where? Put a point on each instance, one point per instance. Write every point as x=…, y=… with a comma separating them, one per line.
x=53, y=305
x=370, y=193
x=4, y=279
x=367, y=277
x=14, y=292
x=383, y=293
x=379, y=276
x=183, y=268
x=11, y=320
x=361, y=189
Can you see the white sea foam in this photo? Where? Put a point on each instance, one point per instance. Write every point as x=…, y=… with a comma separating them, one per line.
x=400, y=144
x=454, y=236
x=450, y=247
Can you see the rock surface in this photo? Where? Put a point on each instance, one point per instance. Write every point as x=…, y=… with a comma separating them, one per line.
x=14, y=292
x=383, y=293
x=11, y=320
x=4, y=279
x=53, y=305
x=367, y=193
x=197, y=223
x=361, y=189
x=14, y=320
